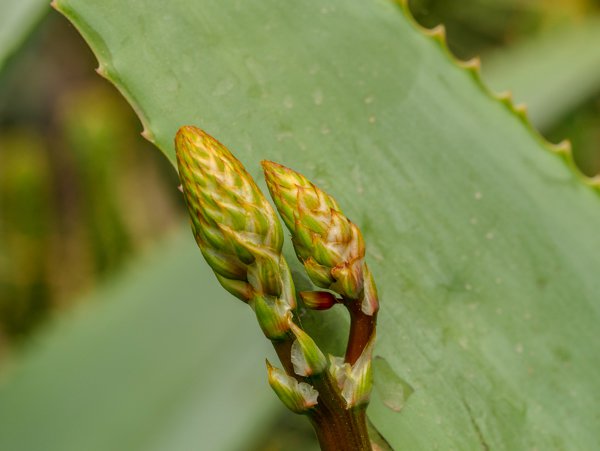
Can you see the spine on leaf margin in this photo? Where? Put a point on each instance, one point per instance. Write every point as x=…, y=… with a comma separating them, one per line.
x=562, y=149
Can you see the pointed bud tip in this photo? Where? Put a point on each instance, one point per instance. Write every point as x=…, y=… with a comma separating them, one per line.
x=275, y=173
x=269, y=165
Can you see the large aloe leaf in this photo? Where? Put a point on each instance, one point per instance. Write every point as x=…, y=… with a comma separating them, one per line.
x=483, y=242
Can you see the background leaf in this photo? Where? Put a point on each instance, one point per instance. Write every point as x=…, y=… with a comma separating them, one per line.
x=16, y=21
x=482, y=241
x=153, y=369
x=553, y=73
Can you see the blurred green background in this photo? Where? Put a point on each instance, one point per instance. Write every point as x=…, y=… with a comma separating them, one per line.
x=84, y=199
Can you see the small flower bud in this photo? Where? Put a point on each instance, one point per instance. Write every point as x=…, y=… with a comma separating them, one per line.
x=318, y=300
x=231, y=219
x=299, y=397
x=307, y=358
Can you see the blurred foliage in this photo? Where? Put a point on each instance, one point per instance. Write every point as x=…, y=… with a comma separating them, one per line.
x=80, y=190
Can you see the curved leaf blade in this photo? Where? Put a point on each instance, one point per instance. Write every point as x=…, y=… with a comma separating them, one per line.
x=481, y=240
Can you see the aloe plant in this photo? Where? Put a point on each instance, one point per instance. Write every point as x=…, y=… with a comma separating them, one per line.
x=482, y=240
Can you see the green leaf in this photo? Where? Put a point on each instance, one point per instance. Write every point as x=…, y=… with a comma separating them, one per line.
x=552, y=73
x=16, y=21
x=482, y=241
x=161, y=359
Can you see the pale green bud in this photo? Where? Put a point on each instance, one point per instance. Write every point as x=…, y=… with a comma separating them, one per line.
x=234, y=224
x=299, y=397
x=307, y=358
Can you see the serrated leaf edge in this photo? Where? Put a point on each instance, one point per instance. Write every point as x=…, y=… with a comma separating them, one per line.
x=563, y=149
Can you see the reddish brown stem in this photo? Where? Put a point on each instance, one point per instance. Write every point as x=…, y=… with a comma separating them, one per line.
x=337, y=428
x=362, y=327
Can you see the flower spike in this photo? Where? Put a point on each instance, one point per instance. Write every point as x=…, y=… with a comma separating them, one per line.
x=236, y=228
x=329, y=245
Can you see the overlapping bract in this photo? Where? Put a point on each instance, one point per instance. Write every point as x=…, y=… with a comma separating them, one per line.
x=299, y=397
x=329, y=245
x=236, y=228
x=354, y=381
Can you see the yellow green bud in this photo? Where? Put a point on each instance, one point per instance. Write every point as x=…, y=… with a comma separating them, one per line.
x=299, y=397
x=329, y=245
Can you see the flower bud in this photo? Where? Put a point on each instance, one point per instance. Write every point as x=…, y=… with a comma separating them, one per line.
x=299, y=397
x=329, y=245
x=273, y=314
x=231, y=219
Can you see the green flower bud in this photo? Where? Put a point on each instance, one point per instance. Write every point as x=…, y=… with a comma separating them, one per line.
x=329, y=245
x=307, y=358
x=299, y=397
x=319, y=274
x=273, y=314
x=233, y=223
